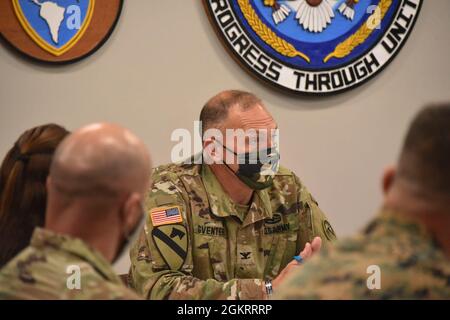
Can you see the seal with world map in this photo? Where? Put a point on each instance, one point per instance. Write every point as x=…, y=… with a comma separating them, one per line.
x=65, y=30
x=55, y=25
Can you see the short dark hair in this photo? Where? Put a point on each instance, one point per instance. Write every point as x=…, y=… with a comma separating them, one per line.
x=425, y=157
x=217, y=108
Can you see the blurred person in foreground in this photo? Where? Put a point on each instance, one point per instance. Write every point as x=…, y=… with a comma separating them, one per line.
x=23, y=196
x=404, y=252
x=96, y=188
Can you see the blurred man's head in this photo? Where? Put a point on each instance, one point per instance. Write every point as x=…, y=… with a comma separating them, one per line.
x=96, y=187
x=247, y=132
x=421, y=182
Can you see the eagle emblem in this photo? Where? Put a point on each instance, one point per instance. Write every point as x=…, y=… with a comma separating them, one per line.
x=314, y=46
x=312, y=15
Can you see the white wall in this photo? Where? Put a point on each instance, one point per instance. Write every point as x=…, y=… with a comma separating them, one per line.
x=164, y=60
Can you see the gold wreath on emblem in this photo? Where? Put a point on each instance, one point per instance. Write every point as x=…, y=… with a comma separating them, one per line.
x=287, y=49
x=347, y=46
x=267, y=35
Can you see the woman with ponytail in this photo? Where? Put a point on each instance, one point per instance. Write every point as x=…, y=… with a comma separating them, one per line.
x=23, y=175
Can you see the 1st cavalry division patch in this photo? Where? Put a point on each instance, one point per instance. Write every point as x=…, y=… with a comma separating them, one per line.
x=314, y=46
x=172, y=243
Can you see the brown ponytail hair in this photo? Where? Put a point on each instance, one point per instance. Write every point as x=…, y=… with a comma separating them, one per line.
x=23, y=176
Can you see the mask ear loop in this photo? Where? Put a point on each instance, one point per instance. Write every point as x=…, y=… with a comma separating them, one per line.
x=130, y=233
x=128, y=236
x=226, y=148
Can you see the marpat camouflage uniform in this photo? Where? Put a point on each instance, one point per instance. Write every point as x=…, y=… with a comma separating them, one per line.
x=411, y=264
x=40, y=271
x=217, y=249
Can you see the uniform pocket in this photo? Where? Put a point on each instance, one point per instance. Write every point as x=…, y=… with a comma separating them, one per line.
x=209, y=249
x=218, y=257
x=291, y=236
x=273, y=262
x=200, y=255
x=283, y=246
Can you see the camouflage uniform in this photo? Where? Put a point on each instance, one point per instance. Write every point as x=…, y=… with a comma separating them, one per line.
x=221, y=251
x=411, y=264
x=39, y=271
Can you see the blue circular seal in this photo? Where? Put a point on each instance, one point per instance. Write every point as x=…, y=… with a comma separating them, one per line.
x=314, y=46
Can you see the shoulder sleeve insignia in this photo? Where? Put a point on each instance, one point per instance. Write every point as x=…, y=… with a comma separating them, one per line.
x=328, y=230
x=172, y=243
x=165, y=200
x=165, y=215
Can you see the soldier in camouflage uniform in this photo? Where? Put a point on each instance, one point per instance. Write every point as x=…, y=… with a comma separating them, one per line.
x=96, y=189
x=404, y=252
x=40, y=271
x=199, y=243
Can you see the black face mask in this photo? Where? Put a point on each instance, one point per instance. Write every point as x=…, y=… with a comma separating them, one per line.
x=257, y=169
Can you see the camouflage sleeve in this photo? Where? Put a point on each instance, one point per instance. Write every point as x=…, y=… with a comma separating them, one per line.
x=47, y=279
x=158, y=271
x=337, y=272
x=316, y=223
x=101, y=291
x=316, y=280
x=367, y=267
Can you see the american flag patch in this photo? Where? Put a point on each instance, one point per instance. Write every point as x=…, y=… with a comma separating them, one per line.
x=165, y=215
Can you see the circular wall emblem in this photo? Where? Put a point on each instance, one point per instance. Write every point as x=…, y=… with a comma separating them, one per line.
x=58, y=30
x=314, y=46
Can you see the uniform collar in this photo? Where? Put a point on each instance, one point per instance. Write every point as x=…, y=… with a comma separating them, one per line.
x=46, y=239
x=222, y=206
x=390, y=223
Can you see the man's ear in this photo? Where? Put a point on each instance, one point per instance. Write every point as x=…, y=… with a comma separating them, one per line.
x=388, y=178
x=211, y=152
x=132, y=211
x=208, y=145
